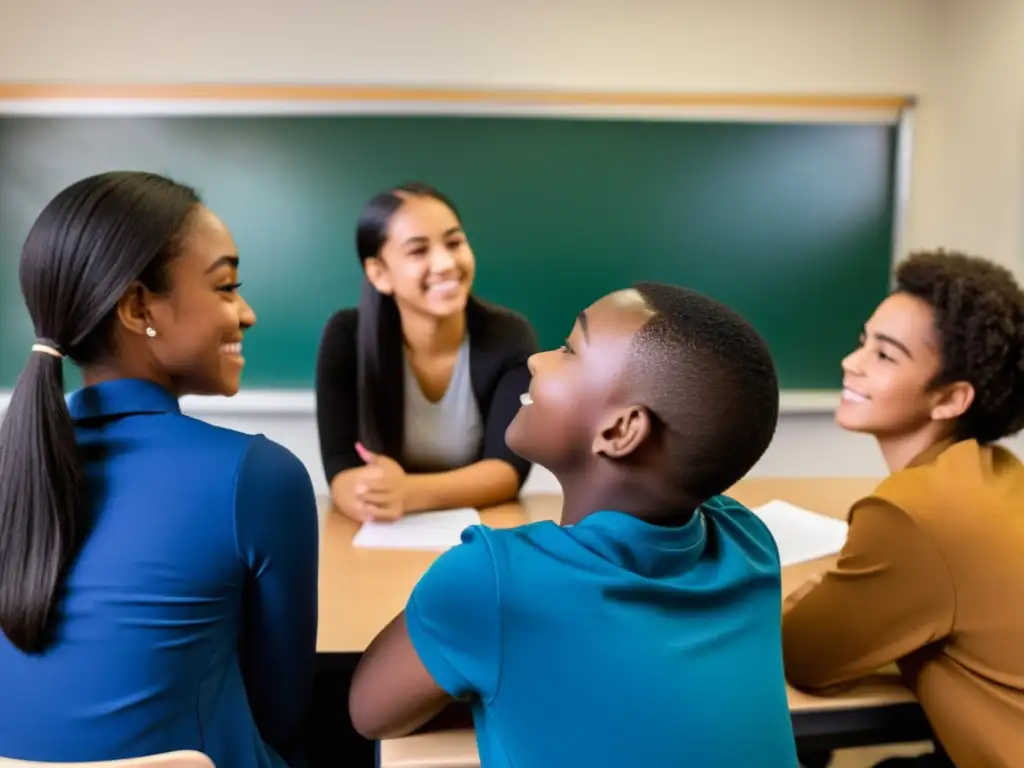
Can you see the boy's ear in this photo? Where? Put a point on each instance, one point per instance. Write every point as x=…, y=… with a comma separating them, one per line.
x=622, y=431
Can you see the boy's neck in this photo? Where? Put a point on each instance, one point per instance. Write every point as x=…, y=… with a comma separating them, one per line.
x=637, y=496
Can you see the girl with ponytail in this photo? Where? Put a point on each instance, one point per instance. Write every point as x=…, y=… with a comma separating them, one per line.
x=416, y=386
x=158, y=575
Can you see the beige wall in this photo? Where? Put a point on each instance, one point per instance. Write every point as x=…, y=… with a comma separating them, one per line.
x=964, y=59
x=816, y=45
x=971, y=191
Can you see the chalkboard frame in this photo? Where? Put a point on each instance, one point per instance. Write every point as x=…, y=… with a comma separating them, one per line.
x=266, y=99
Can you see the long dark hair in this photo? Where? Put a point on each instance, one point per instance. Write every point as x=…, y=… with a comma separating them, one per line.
x=88, y=246
x=379, y=335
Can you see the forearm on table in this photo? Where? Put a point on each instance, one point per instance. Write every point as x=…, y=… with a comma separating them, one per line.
x=483, y=484
x=889, y=594
x=339, y=484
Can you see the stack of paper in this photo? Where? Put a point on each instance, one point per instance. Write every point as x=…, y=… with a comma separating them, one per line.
x=438, y=530
x=801, y=535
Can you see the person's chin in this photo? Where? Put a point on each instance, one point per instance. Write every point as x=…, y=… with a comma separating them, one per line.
x=849, y=422
x=227, y=384
x=514, y=437
x=449, y=303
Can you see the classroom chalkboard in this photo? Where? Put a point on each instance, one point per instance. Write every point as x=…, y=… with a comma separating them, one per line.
x=789, y=223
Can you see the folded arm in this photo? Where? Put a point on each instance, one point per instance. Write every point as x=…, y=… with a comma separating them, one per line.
x=444, y=646
x=889, y=594
x=497, y=477
x=481, y=484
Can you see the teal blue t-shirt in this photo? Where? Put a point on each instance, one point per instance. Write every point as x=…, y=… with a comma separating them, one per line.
x=613, y=642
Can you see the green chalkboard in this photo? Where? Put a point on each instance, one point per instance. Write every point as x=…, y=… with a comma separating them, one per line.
x=790, y=224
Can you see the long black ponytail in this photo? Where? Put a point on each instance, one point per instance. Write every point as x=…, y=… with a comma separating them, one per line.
x=88, y=246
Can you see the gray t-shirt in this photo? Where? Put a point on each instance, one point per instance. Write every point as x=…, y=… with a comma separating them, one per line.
x=447, y=434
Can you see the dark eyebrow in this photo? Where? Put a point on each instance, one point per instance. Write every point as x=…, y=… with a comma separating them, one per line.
x=223, y=261
x=581, y=318
x=898, y=344
x=420, y=239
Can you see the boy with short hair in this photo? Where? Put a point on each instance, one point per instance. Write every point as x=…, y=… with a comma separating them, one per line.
x=645, y=629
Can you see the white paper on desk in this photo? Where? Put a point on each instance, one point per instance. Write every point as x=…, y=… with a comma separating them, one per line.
x=801, y=535
x=438, y=530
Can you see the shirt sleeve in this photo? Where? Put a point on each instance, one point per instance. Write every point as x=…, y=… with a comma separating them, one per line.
x=453, y=619
x=276, y=531
x=337, y=416
x=889, y=594
x=512, y=382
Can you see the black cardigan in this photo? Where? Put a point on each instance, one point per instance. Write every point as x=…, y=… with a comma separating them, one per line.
x=500, y=343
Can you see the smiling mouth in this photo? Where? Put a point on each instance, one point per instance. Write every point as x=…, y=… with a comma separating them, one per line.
x=447, y=286
x=853, y=396
x=234, y=349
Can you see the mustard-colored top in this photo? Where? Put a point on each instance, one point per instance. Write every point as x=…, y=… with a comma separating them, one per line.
x=932, y=578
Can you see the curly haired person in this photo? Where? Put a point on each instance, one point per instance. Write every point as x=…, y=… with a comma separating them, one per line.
x=932, y=573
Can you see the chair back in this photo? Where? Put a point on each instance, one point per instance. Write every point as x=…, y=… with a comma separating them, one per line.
x=180, y=759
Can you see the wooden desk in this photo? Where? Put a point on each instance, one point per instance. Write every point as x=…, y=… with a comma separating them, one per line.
x=361, y=590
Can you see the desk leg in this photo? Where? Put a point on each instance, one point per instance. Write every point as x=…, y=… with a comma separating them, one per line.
x=331, y=741
x=814, y=759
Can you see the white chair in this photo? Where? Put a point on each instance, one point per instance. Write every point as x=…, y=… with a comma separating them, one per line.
x=181, y=759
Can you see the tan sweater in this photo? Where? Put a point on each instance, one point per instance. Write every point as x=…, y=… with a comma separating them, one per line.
x=931, y=577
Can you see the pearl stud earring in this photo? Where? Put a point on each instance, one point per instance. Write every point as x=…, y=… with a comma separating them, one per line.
x=151, y=332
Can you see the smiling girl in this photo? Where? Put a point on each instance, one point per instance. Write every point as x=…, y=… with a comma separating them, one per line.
x=158, y=574
x=932, y=572
x=416, y=386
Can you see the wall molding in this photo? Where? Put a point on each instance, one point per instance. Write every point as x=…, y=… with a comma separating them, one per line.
x=73, y=99
x=11, y=90
x=272, y=403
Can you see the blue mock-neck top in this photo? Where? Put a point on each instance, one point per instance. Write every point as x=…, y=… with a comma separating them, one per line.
x=190, y=611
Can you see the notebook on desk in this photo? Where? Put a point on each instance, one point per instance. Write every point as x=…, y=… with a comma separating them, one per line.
x=801, y=535
x=437, y=531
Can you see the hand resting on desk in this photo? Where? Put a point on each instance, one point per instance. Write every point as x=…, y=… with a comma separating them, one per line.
x=376, y=491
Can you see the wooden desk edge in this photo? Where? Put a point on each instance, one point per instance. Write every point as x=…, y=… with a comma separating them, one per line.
x=458, y=748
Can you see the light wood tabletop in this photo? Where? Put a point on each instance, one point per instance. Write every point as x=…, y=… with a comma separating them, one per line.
x=361, y=590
